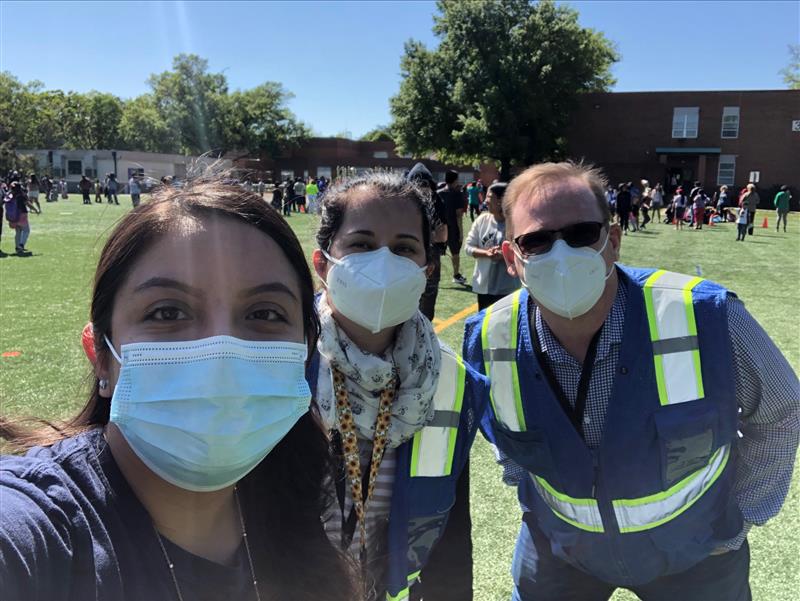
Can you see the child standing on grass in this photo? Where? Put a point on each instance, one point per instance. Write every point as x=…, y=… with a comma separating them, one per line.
x=19, y=218
x=741, y=223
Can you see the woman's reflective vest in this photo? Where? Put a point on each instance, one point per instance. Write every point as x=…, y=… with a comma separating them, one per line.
x=655, y=498
x=427, y=470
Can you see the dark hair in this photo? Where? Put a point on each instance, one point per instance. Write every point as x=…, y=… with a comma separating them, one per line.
x=450, y=176
x=498, y=189
x=283, y=496
x=390, y=186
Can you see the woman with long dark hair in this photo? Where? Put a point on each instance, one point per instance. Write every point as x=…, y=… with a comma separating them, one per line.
x=195, y=469
x=402, y=408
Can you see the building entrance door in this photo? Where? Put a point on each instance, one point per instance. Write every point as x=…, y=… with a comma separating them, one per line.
x=680, y=174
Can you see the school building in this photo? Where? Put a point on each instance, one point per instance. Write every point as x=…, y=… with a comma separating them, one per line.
x=678, y=137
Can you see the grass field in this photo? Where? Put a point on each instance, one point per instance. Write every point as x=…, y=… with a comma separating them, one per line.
x=44, y=304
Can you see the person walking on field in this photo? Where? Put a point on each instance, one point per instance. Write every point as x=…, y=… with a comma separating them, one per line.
x=679, y=208
x=658, y=201
x=741, y=223
x=699, y=207
x=312, y=191
x=98, y=191
x=85, y=186
x=135, y=190
x=474, y=199
x=454, y=210
x=781, y=203
x=299, y=200
x=751, y=200
x=646, y=418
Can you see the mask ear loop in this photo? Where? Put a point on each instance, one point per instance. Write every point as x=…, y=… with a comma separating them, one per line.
x=112, y=349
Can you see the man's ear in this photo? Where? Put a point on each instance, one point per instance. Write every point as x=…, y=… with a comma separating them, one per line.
x=510, y=259
x=320, y=264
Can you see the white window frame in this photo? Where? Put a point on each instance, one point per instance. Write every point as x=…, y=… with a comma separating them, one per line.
x=380, y=154
x=726, y=175
x=730, y=131
x=685, y=121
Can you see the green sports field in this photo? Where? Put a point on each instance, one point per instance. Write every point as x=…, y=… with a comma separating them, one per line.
x=44, y=304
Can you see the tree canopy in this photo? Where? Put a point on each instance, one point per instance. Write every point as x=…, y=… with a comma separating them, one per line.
x=502, y=83
x=189, y=110
x=791, y=73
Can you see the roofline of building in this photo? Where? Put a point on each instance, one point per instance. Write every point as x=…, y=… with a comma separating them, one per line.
x=759, y=91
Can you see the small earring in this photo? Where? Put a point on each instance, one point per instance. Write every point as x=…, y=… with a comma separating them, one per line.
x=103, y=384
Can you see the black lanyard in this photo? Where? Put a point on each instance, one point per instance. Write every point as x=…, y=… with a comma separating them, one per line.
x=575, y=415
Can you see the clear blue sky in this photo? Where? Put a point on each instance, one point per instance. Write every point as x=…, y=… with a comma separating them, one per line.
x=341, y=59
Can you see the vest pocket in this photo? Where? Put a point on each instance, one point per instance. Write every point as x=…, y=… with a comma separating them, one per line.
x=686, y=436
x=431, y=496
x=530, y=450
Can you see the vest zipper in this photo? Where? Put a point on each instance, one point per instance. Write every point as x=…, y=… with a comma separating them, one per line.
x=610, y=525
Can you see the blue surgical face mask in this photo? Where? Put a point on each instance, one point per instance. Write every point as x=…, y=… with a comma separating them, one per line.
x=202, y=414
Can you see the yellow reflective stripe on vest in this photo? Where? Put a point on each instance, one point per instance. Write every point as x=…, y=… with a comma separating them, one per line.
x=499, y=344
x=673, y=333
x=635, y=515
x=581, y=513
x=434, y=445
x=403, y=595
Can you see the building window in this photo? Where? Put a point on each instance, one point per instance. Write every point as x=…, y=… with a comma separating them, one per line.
x=730, y=122
x=324, y=172
x=74, y=167
x=380, y=154
x=727, y=170
x=90, y=173
x=684, y=121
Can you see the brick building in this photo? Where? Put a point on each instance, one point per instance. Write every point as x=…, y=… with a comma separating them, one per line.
x=330, y=156
x=678, y=137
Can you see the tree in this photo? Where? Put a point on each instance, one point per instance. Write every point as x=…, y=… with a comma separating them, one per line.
x=91, y=120
x=258, y=121
x=142, y=127
x=382, y=133
x=502, y=84
x=791, y=73
x=190, y=99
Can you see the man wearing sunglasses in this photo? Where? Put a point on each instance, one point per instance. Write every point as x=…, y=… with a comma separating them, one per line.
x=645, y=416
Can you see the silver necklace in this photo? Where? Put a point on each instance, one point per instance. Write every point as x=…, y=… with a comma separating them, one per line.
x=171, y=565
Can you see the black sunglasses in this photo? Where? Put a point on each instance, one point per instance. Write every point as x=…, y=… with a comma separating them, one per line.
x=576, y=235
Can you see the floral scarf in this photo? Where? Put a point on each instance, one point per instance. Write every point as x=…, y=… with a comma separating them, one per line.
x=414, y=361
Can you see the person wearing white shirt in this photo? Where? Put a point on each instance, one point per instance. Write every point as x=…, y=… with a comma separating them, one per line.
x=490, y=280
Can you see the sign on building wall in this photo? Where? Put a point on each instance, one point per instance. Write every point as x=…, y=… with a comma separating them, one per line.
x=796, y=125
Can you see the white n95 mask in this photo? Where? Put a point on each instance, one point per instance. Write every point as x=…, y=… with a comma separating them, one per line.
x=202, y=414
x=376, y=289
x=565, y=280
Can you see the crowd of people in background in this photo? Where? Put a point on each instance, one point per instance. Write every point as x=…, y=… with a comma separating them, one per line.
x=637, y=204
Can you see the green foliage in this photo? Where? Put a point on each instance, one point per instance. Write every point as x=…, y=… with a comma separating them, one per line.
x=382, y=133
x=189, y=110
x=791, y=73
x=502, y=83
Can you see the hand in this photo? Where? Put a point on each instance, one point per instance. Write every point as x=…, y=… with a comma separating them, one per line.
x=496, y=254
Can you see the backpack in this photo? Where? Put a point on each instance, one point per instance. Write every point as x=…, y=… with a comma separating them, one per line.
x=12, y=210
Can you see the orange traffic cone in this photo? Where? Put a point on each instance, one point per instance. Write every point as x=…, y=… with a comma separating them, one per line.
x=765, y=224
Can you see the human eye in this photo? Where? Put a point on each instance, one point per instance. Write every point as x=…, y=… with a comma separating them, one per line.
x=166, y=313
x=404, y=250
x=266, y=314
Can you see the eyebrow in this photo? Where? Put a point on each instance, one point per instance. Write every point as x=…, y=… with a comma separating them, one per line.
x=270, y=287
x=371, y=233
x=161, y=282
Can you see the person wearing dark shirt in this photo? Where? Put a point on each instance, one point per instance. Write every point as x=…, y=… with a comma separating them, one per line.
x=624, y=205
x=427, y=302
x=195, y=471
x=453, y=201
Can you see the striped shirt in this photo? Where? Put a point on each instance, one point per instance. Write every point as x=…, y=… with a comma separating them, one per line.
x=377, y=513
x=767, y=392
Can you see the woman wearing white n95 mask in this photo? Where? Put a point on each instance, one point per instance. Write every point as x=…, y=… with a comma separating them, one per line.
x=402, y=409
x=195, y=470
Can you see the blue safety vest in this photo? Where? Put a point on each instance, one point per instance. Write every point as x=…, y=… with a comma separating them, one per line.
x=655, y=498
x=427, y=469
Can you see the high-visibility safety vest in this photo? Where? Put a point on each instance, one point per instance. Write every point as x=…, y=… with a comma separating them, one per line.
x=427, y=470
x=655, y=497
